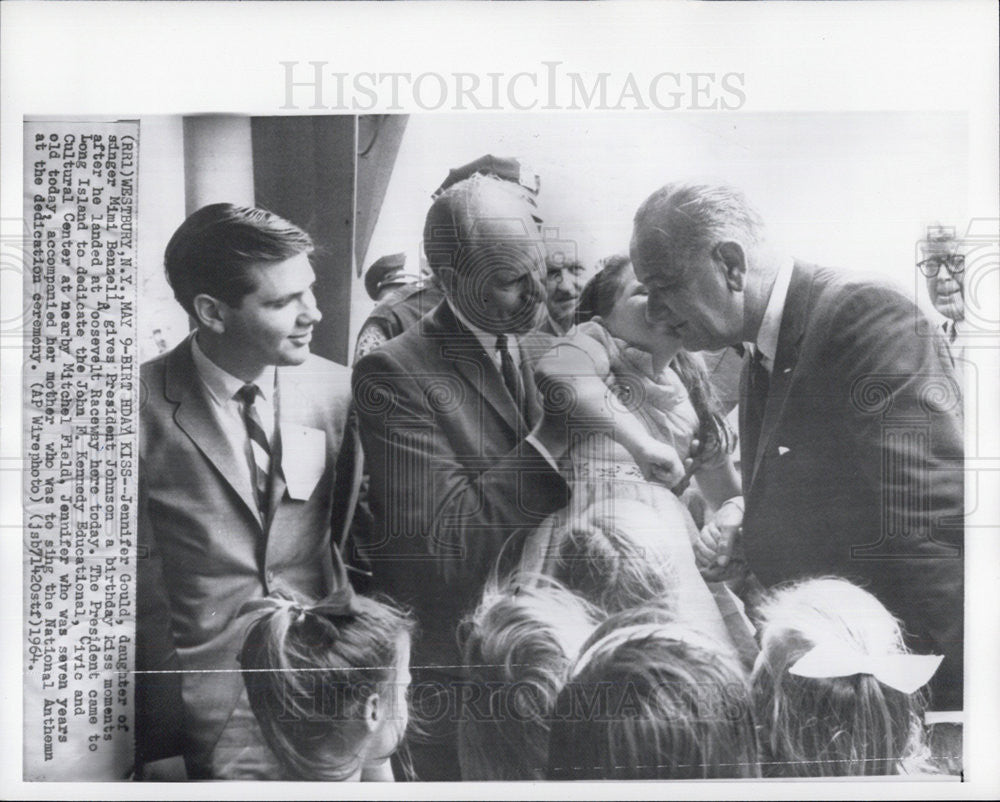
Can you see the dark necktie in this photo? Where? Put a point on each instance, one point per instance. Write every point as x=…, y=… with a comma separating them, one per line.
x=509, y=372
x=950, y=330
x=756, y=400
x=260, y=447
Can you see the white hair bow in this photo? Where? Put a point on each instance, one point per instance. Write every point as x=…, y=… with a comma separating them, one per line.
x=904, y=672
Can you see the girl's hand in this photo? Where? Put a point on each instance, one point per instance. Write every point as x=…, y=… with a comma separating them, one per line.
x=659, y=462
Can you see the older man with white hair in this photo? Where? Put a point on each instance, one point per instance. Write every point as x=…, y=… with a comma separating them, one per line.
x=850, y=423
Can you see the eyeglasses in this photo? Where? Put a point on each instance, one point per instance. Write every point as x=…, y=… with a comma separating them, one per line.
x=953, y=263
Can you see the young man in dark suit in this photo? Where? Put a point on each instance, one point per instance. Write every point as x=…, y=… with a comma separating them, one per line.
x=247, y=467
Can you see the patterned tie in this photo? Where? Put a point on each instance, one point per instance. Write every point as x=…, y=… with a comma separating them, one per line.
x=760, y=380
x=510, y=375
x=260, y=447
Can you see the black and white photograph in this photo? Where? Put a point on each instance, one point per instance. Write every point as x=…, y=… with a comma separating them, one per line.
x=529, y=422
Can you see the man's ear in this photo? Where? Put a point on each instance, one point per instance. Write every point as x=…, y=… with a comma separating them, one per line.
x=734, y=264
x=373, y=712
x=446, y=278
x=210, y=313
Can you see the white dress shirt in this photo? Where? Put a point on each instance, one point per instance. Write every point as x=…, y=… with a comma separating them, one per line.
x=770, y=325
x=220, y=390
x=489, y=342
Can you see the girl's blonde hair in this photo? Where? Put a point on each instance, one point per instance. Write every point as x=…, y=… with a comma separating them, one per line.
x=309, y=672
x=652, y=699
x=617, y=555
x=832, y=726
x=518, y=645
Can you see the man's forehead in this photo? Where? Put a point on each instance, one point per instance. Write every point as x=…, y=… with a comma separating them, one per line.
x=658, y=270
x=280, y=277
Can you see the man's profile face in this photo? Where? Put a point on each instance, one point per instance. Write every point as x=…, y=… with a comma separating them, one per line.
x=273, y=324
x=500, y=285
x=690, y=299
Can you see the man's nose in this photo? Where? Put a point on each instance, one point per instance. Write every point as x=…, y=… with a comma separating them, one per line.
x=310, y=309
x=656, y=312
x=536, y=289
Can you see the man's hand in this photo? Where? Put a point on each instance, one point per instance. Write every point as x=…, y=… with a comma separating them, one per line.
x=714, y=546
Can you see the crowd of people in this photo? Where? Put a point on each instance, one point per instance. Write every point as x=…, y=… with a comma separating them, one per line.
x=521, y=539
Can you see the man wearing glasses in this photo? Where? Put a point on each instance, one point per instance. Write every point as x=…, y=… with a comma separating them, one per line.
x=944, y=268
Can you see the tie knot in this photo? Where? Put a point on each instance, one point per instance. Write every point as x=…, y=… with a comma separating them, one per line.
x=501, y=343
x=248, y=394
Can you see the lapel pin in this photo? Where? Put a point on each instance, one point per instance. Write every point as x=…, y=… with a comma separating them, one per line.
x=782, y=450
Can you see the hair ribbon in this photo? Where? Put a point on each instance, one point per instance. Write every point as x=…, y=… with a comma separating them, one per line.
x=904, y=672
x=341, y=602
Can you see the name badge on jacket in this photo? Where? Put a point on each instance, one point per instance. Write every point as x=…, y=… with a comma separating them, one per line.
x=303, y=458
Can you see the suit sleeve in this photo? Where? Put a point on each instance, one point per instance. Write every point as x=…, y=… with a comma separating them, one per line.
x=905, y=422
x=432, y=496
x=351, y=514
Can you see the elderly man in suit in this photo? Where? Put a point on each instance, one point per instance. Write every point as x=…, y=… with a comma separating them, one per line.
x=247, y=465
x=462, y=454
x=850, y=423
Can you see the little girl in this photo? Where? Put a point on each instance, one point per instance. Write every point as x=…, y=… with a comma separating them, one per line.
x=518, y=646
x=835, y=690
x=652, y=699
x=328, y=684
x=663, y=386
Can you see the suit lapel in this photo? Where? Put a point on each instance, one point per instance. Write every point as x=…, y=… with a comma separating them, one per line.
x=195, y=418
x=466, y=353
x=793, y=319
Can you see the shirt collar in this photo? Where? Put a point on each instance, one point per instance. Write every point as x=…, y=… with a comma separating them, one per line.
x=223, y=386
x=770, y=325
x=486, y=338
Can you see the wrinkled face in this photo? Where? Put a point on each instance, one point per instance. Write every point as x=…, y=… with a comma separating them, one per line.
x=273, y=324
x=628, y=319
x=499, y=287
x=946, y=288
x=946, y=293
x=691, y=298
x=565, y=277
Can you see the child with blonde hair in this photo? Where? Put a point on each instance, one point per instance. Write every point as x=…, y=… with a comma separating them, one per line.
x=649, y=698
x=621, y=553
x=518, y=646
x=836, y=691
x=328, y=684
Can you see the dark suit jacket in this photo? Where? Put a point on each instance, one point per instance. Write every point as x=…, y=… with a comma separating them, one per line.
x=210, y=551
x=858, y=471
x=451, y=476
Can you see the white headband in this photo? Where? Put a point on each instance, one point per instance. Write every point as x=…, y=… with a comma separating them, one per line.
x=904, y=672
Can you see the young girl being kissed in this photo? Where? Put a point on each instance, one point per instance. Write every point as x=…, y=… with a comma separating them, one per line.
x=668, y=391
x=329, y=684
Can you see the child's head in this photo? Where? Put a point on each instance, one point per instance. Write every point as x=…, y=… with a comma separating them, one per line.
x=328, y=684
x=821, y=710
x=617, y=555
x=651, y=699
x=615, y=295
x=518, y=646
